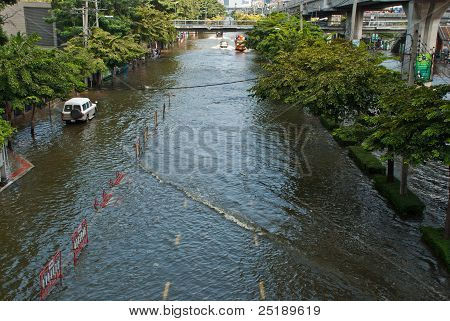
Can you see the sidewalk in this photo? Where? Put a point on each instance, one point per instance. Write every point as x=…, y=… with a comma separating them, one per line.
x=18, y=167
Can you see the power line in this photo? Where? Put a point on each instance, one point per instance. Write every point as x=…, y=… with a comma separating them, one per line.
x=201, y=86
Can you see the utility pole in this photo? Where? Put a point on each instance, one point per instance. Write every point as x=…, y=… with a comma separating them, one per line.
x=97, y=24
x=413, y=32
x=301, y=15
x=86, y=22
x=354, y=12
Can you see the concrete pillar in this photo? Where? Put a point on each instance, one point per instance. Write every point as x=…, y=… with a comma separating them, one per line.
x=3, y=164
x=354, y=27
x=424, y=17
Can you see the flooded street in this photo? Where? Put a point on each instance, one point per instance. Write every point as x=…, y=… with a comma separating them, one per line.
x=230, y=193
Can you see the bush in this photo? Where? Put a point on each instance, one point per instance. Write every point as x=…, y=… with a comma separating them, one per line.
x=352, y=135
x=366, y=161
x=345, y=141
x=434, y=238
x=328, y=123
x=406, y=206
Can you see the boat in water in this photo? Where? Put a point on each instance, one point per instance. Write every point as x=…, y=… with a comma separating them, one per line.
x=223, y=44
x=239, y=43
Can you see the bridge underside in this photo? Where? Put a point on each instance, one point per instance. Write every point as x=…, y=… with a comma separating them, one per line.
x=213, y=28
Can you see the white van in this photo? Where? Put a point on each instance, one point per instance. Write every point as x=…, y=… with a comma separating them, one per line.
x=78, y=109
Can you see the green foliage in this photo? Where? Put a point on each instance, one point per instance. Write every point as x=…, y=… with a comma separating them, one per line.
x=192, y=9
x=32, y=75
x=89, y=64
x=113, y=50
x=328, y=123
x=6, y=130
x=436, y=241
x=3, y=37
x=412, y=122
x=118, y=16
x=351, y=135
x=366, y=161
x=152, y=25
x=406, y=206
x=280, y=33
x=4, y=3
x=334, y=79
x=239, y=15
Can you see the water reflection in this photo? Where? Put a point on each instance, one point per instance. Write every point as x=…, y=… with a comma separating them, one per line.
x=221, y=170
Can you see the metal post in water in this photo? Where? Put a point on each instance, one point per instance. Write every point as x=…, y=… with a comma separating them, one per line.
x=156, y=118
x=164, y=110
x=145, y=134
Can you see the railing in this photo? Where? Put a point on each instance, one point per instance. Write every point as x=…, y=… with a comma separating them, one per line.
x=385, y=24
x=214, y=23
x=367, y=25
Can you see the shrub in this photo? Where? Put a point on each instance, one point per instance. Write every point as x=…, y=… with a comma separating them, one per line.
x=406, y=206
x=434, y=238
x=351, y=135
x=366, y=161
x=328, y=123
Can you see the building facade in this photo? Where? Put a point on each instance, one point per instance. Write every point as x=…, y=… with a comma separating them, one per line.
x=29, y=18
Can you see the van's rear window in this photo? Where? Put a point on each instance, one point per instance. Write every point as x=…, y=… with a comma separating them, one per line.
x=68, y=108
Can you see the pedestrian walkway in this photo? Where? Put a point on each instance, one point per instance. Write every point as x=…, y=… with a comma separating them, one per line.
x=18, y=166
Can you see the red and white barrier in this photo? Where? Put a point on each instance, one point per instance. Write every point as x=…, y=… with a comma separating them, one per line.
x=80, y=240
x=50, y=275
x=52, y=272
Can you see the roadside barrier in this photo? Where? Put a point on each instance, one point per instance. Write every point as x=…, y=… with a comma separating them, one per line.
x=52, y=272
x=50, y=275
x=119, y=177
x=80, y=240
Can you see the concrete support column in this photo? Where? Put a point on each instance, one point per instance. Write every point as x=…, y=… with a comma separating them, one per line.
x=3, y=164
x=424, y=17
x=354, y=27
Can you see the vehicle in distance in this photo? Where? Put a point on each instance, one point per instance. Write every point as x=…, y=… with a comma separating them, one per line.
x=78, y=109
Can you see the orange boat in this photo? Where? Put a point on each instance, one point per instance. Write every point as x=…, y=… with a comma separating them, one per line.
x=239, y=43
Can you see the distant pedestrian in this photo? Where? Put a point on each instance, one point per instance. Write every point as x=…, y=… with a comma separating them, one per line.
x=445, y=53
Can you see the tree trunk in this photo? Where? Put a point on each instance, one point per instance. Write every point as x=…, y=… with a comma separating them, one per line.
x=390, y=170
x=8, y=110
x=404, y=178
x=8, y=114
x=33, y=133
x=447, y=220
x=50, y=111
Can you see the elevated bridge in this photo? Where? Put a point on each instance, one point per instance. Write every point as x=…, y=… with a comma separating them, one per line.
x=209, y=25
x=321, y=6
x=371, y=23
x=423, y=16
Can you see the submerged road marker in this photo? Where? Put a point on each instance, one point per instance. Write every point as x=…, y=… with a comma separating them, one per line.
x=262, y=291
x=256, y=240
x=177, y=240
x=166, y=291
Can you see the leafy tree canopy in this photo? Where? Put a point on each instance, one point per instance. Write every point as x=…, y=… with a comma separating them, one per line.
x=280, y=33
x=113, y=50
x=412, y=122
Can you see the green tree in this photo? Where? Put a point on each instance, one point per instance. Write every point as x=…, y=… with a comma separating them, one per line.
x=153, y=25
x=334, y=79
x=33, y=76
x=113, y=50
x=280, y=33
x=6, y=130
x=412, y=122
